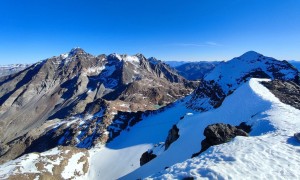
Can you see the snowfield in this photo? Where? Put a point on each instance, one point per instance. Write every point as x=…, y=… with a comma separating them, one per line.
x=122, y=155
x=270, y=152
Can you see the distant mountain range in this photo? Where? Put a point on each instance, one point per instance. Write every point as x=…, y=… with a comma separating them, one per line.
x=296, y=64
x=79, y=116
x=12, y=68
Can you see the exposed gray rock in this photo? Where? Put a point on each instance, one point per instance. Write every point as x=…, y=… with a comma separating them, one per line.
x=207, y=90
x=172, y=136
x=287, y=92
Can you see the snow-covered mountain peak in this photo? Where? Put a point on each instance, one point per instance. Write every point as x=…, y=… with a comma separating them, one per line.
x=250, y=55
x=228, y=76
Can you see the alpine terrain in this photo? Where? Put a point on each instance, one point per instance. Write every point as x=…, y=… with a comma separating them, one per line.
x=79, y=116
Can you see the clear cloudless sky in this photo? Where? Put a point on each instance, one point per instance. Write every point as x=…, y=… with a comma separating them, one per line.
x=33, y=30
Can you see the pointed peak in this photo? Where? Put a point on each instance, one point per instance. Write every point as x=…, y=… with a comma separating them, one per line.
x=115, y=56
x=140, y=55
x=153, y=60
x=77, y=50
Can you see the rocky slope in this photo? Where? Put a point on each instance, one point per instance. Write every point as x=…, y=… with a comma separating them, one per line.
x=84, y=95
x=228, y=76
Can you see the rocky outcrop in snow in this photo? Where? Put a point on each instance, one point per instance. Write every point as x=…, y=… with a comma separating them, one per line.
x=146, y=157
x=173, y=135
x=218, y=134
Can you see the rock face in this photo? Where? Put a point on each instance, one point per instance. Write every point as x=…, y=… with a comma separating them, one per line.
x=229, y=75
x=287, y=92
x=196, y=70
x=146, y=157
x=207, y=96
x=85, y=95
x=218, y=134
x=172, y=136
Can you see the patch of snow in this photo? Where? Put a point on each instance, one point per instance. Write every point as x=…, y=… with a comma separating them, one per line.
x=74, y=167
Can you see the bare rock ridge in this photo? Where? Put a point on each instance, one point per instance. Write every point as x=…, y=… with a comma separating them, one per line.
x=229, y=75
x=64, y=91
x=287, y=92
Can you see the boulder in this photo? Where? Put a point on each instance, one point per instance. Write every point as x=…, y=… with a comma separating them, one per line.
x=146, y=157
x=218, y=134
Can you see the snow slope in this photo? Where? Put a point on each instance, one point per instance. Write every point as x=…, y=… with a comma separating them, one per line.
x=270, y=152
x=122, y=155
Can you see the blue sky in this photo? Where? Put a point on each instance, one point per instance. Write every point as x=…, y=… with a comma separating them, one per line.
x=32, y=30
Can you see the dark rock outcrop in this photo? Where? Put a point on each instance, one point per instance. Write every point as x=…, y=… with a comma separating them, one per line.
x=287, y=92
x=146, y=157
x=172, y=136
x=297, y=136
x=207, y=89
x=218, y=134
x=243, y=126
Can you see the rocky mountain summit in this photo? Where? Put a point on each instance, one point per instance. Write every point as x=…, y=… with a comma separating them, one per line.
x=61, y=91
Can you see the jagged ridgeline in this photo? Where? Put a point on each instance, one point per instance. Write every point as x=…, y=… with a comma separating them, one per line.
x=77, y=85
